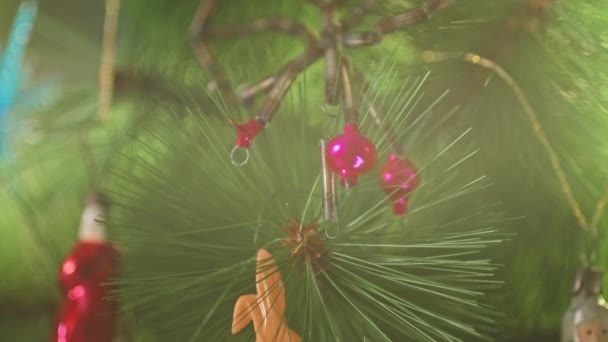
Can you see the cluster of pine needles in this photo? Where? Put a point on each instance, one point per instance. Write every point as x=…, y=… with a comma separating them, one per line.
x=190, y=224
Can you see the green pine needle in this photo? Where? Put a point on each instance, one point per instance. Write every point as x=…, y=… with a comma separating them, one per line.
x=190, y=223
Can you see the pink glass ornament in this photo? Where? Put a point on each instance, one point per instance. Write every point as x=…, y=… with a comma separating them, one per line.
x=350, y=154
x=247, y=131
x=86, y=314
x=399, y=177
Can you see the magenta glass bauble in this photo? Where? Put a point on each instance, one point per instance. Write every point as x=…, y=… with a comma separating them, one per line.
x=350, y=154
x=399, y=177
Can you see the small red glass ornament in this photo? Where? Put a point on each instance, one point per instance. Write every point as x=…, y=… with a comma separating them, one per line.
x=247, y=131
x=399, y=177
x=86, y=314
x=350, y=154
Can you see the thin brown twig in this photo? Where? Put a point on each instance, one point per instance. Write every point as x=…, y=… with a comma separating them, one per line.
x=333, y=36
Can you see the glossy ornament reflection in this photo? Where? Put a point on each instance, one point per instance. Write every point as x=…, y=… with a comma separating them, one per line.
x=86, y=315
x=587, y=318
x=350, y=155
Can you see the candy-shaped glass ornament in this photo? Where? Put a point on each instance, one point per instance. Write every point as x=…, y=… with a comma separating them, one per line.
x=86, y=314
x=587, y=317
x=398, y=178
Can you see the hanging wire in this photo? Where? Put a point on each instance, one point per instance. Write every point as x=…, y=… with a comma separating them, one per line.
x=87, y=153
x=106, y=65
x=332, y=121
x=329, y=196
x=106, y=88
x=539, y=132
x=599, y=208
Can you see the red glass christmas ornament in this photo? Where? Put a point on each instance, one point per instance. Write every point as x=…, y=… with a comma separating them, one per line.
x=86, y=314
x=247, y=131
x=399, y=177
x=350, y=154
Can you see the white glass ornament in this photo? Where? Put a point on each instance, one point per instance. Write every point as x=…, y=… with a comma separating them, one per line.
x=587, y=318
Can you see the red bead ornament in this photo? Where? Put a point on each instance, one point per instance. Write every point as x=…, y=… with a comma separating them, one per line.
x=399, y=177
x=247, y=131
x=350, y=154
x=86, y=314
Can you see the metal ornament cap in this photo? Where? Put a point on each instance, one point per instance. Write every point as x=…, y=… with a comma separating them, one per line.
x=588, y=281
x=92, y=225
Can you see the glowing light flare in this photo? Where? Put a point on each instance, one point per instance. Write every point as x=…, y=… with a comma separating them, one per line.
x=77, y=292
x=69, y=267
x=358, y=162
x=62, y=332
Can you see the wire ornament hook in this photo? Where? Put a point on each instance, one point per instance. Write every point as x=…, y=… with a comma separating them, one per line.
x=338, y=229
x=329, y=196
x=332, y=120
x=233, y=158
x=327, y=112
